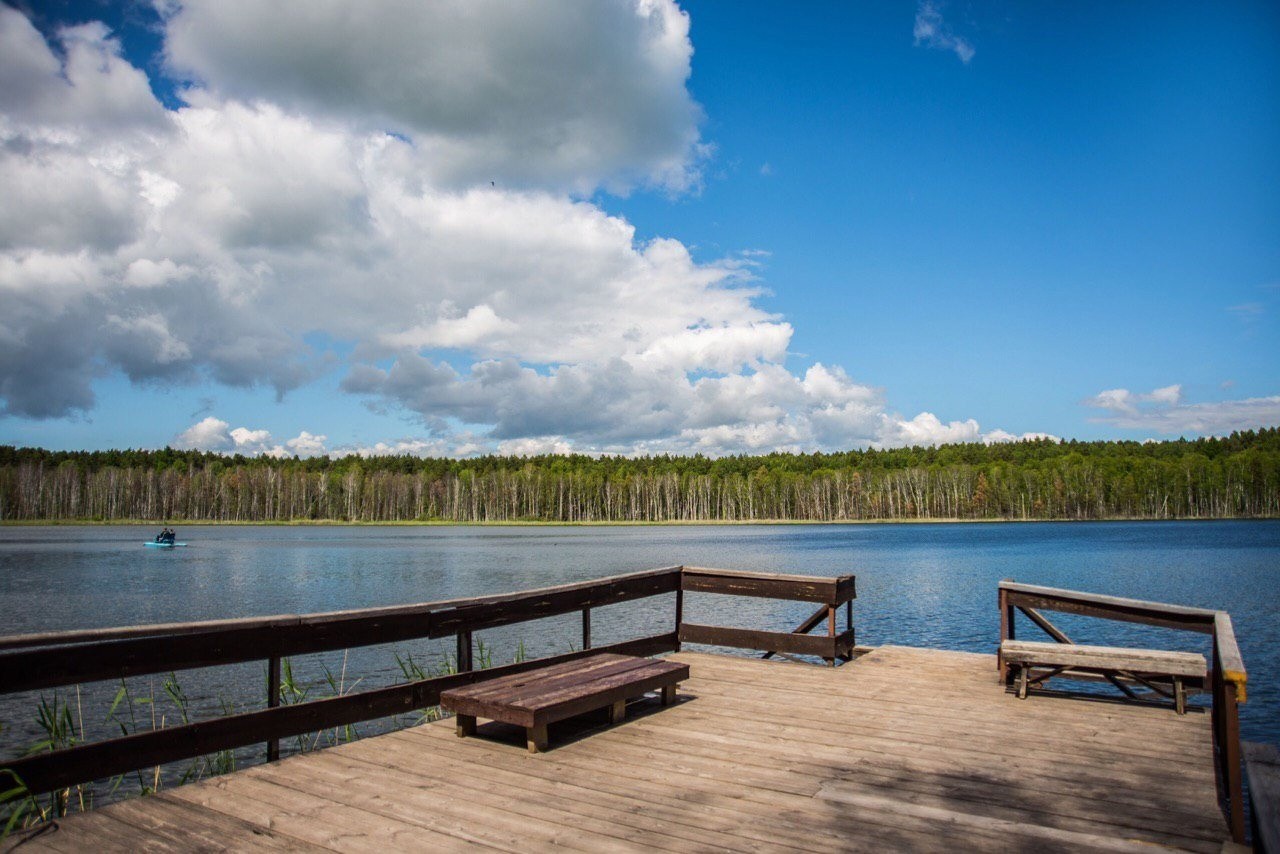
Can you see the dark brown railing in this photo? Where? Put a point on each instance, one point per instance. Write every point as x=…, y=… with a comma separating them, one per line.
x=50, y=660
x=831, y=592
x=1228, y=679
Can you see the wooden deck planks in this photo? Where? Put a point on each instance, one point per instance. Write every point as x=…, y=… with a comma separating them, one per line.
x=903, y=749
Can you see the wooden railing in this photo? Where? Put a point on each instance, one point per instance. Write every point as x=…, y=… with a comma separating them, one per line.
x=1228, y=679
x=831, y=592
x=51, y=660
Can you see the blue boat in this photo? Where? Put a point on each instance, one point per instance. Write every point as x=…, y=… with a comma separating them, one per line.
x=165, y=545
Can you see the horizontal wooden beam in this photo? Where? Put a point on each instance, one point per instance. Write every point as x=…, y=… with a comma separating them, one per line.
x=821, y=646
x=140, y=650
x=1109, y=607
x=44, y=772
x=33, y=669
x=803, y=588
x=492, y=611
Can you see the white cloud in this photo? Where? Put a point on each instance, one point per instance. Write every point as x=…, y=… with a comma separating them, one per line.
x=931, y=31
x=209, y=434
x=1123, y=401
x=568, y=96
x=996, y=437
x=1163, y=411
x=218, y=436
x=207, y=243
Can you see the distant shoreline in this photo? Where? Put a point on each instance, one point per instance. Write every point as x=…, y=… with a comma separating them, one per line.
x=541, y=523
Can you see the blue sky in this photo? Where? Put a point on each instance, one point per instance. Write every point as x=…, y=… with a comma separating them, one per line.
x=873, y=224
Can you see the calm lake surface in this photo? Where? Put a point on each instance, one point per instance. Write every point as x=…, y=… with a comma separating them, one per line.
x=931, y=585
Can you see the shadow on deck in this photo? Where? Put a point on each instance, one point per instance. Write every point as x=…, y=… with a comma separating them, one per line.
x=904, y=749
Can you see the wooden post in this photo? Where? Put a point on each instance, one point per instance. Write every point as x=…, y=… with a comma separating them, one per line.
x=586, y=628
x=1006, y=630
x=1226, y=730
x=273, y=700
x=831, y=631
x=464, y=652
x=679, y=614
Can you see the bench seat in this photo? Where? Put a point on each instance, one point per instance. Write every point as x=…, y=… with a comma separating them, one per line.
x=1142, y=664
x=535, y=698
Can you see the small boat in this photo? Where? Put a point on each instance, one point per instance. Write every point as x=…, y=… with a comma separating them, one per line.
x=165, y=545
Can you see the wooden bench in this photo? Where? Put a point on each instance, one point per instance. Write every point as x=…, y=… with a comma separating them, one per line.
x=1142, y=665
x=536, y=698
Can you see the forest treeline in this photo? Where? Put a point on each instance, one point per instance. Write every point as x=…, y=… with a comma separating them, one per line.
x=1235, y=476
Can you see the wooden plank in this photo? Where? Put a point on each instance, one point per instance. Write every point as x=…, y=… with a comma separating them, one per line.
x=45, y=772
x=206, y=627
x=29, y=670
x=645, y=815
x=611, y=690
x=1110, y=607
x=543, y=798
x=539, y=677
x=765, y=819
x=318, y=819
x=1262, y=766
x=805, y=588
x=162, y=818
x=103, y=654
x=821, y=646
x=1145, y=661
x=653, y=757
x=1080, y=803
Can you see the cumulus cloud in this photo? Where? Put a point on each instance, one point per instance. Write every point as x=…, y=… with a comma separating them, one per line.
x=932, y=31
x=1122, y=401
x=403, y=182
x=521, y=93
x=218, y=436
x=1163, y=411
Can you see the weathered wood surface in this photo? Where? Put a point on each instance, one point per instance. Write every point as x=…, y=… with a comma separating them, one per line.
x=1146, y=661
x=822, y=646
x=803, y=588
x=903, y=750
x=1229, y=658
x=1262, y=766
x=1109, y=607
x=552, y=694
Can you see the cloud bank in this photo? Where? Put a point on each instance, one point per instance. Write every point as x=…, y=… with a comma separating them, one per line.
x=411, y=183
x=1163, y=411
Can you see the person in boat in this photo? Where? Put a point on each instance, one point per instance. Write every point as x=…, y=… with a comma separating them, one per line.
x=170, y=536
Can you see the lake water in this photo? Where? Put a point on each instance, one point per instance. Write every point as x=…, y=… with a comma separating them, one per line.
x=928, y=585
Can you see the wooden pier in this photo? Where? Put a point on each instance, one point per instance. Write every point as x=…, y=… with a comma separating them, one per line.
x=899, y=749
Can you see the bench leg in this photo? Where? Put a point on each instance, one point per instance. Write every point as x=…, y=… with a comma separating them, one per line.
x=466, y=725
x=537, y=738
x=1022, y=681
x=617, y=712
x=668, y=694
x=1179, y=696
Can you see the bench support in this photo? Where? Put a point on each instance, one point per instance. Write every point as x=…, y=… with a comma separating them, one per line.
x=536, y=736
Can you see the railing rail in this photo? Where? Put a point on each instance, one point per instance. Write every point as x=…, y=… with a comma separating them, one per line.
x=1228, y=678
x=830, y=592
